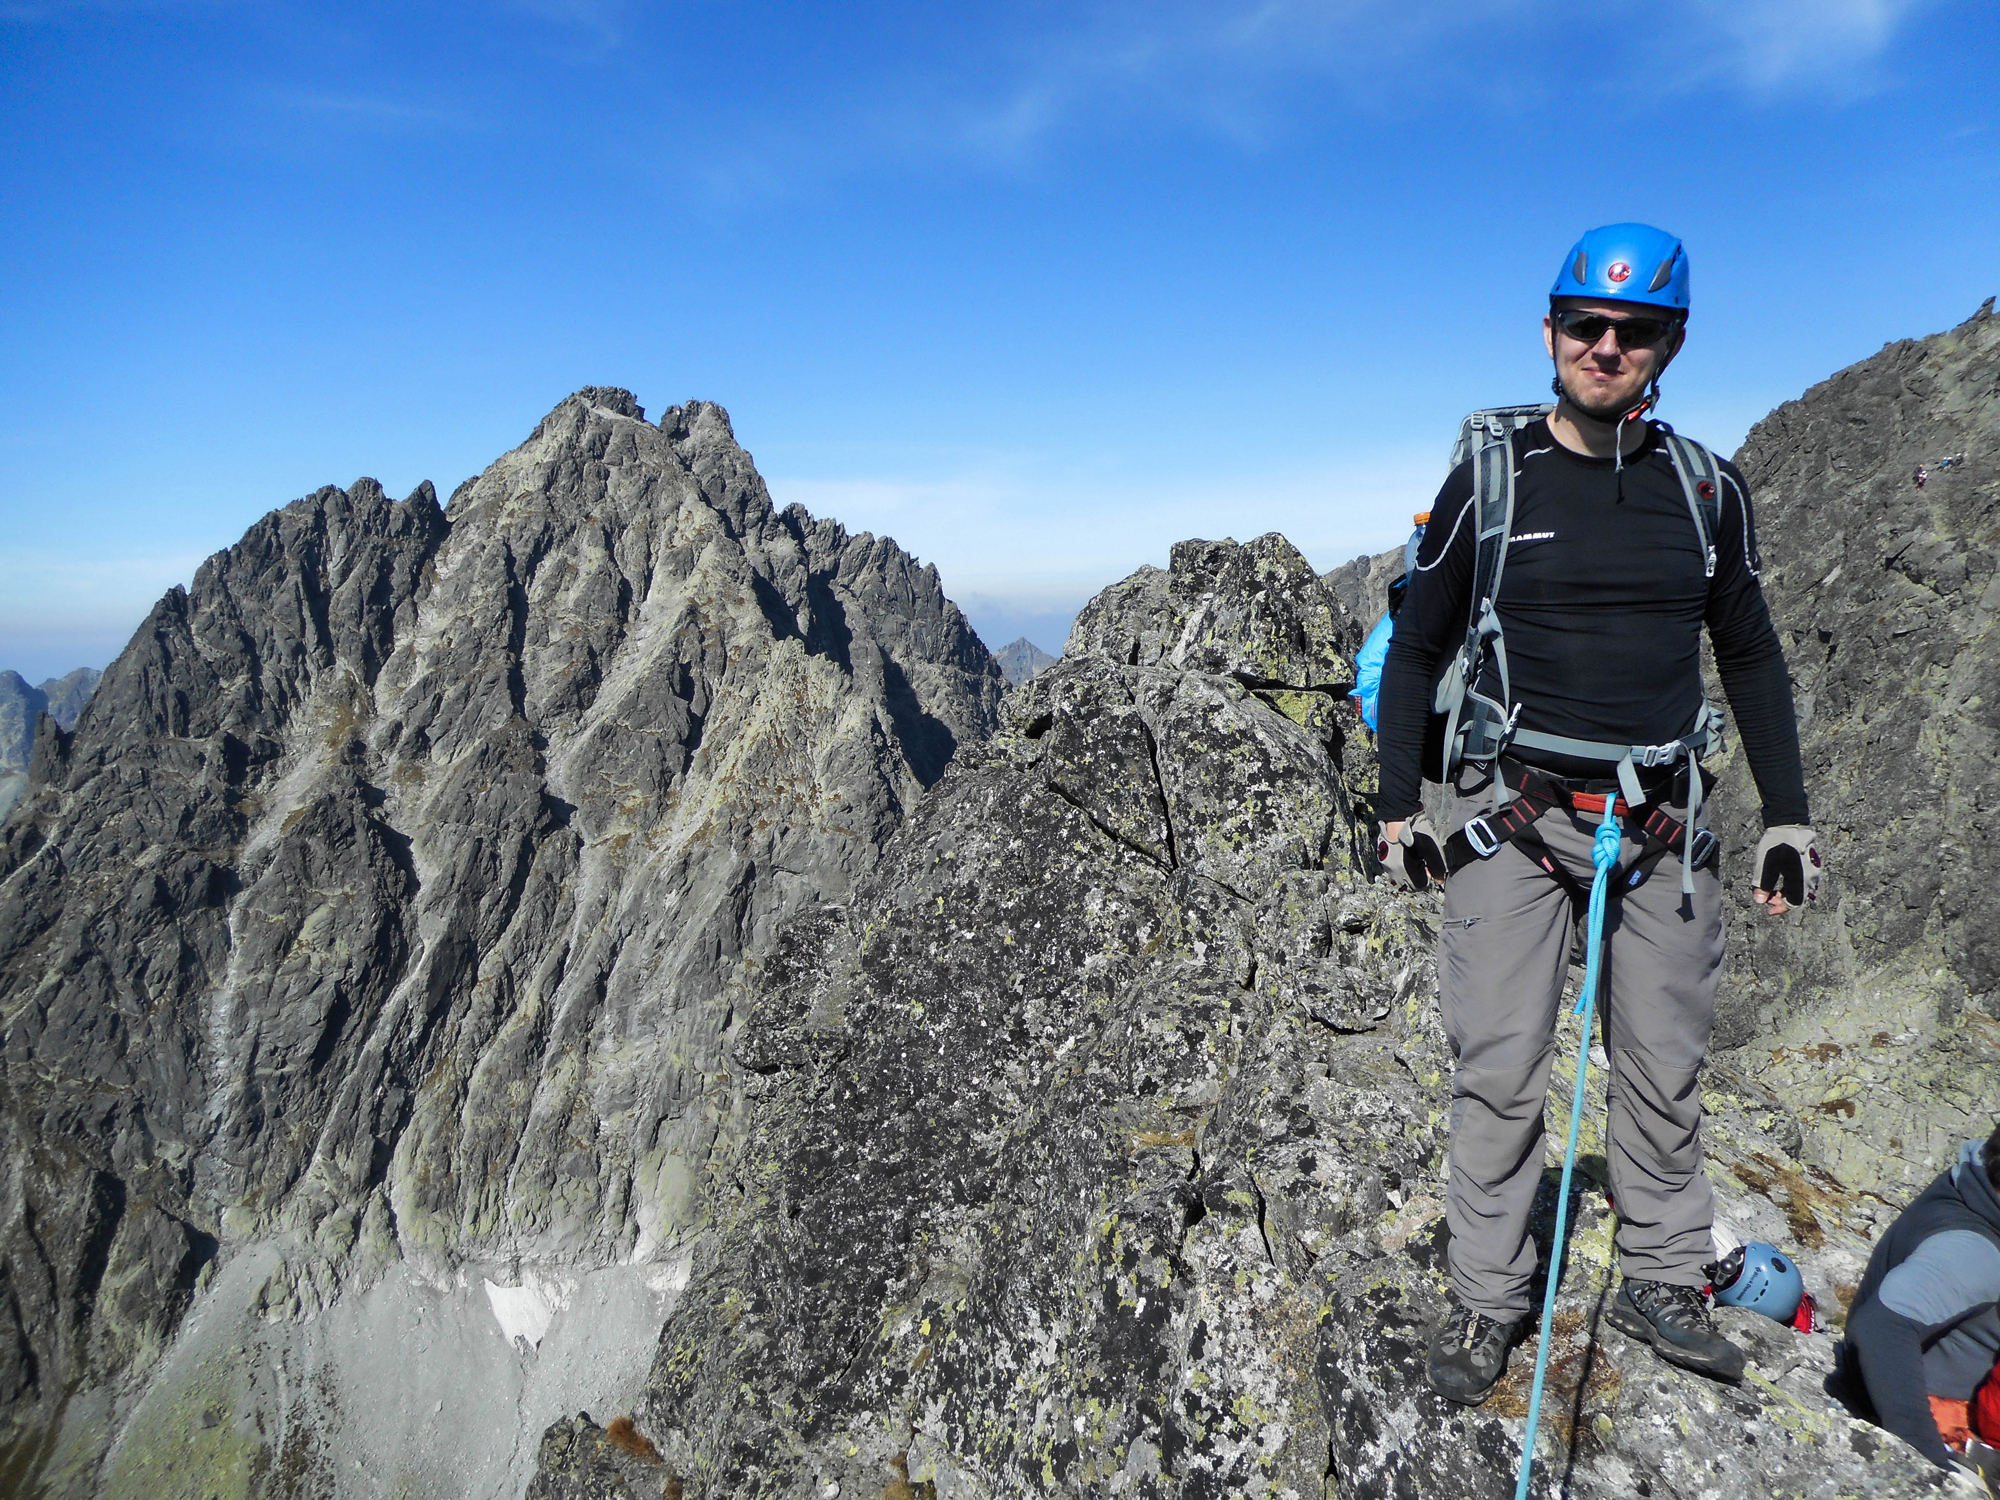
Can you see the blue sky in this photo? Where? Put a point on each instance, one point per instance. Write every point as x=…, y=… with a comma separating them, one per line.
x=1036, y=289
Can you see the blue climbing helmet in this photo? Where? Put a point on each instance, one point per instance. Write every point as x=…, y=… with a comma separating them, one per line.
x=1758, y=1277
x=1627, y=263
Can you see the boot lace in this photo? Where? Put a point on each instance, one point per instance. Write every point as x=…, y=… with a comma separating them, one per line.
x=1470, y=1329
x=1686, y=1306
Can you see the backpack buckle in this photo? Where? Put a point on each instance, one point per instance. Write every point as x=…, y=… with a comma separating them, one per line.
x=1479, y=835
x=1650, y=756
x=1702, y=844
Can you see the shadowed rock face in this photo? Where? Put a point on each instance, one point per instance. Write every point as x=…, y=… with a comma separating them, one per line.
x=1097, y=1146
x=376, y=916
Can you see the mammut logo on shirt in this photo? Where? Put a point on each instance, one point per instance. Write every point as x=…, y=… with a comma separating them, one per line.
x=1532, y=536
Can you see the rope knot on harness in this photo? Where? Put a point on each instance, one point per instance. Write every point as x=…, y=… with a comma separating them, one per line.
x=1605, y=847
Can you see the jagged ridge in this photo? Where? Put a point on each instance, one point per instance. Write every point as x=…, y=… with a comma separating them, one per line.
x=377, y=913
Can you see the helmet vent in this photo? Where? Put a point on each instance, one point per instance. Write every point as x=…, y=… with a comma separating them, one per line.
x=1666, y=272
x=1582, y=267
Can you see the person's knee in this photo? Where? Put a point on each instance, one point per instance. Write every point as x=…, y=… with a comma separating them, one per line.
x=1666, y=1037
x=1655, y=1106
x=1506, y=1076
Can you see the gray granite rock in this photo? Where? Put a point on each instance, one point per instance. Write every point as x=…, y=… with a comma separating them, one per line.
x=377, y=914
x=1362, y=586
x=1879, y=1012
x=1096, y=1145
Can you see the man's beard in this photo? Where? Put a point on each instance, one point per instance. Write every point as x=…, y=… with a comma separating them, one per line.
x=1603, y=411
x=1599, y=411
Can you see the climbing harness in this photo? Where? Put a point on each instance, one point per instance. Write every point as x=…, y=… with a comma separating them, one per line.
x=1478, y=725
x=1534, y=792
x=1603, y=856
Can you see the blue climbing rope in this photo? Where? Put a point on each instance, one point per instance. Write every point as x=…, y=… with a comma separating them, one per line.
x=1603, y=855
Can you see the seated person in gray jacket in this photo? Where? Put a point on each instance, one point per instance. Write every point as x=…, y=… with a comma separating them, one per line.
x=1924, y=1329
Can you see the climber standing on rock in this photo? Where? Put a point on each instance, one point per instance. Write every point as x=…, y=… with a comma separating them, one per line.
x=1547, y=657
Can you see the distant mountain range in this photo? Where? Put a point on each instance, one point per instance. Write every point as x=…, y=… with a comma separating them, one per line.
x=62, y=698
x=1022, y=660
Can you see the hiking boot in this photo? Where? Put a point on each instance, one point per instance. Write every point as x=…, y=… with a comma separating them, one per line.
x=1469, y=1355
x=1675, y=1321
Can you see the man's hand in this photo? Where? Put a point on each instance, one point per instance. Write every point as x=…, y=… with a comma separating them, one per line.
x=1411, y=853
x=1788, y=866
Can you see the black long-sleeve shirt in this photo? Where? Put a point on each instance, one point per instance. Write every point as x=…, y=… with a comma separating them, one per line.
x=1602, y=601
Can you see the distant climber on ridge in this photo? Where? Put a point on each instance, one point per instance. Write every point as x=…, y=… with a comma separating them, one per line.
x=1924, y=1329
x=1612, y=542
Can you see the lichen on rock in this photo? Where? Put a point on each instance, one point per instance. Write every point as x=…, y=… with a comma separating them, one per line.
x=1097, y=1145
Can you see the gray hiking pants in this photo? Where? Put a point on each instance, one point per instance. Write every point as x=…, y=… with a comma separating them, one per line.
x=1502, y=958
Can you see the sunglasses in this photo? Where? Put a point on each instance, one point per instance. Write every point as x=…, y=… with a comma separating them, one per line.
x=1633, y=333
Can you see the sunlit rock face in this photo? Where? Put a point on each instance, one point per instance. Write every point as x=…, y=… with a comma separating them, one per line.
x=1097, y=1145
x=362, y=952
x=1878, y=1015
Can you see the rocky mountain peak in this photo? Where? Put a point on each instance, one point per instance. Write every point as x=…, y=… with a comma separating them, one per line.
x=1882, y=1008
x=367, y=938
x=1021, y=659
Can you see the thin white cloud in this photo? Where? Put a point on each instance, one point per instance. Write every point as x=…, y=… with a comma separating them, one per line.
x=600, y=24
x=1231, y=67
x=1776, y=43
x=368, y=110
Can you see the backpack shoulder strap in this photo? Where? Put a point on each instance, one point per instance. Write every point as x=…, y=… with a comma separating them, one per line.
x=1484, y=426
x=1701, y=482
x=1493, y=494
x=1490, y=436
x=1487, y=438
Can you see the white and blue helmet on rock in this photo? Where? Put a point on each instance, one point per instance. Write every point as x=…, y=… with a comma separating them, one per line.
x=1763, y=1279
